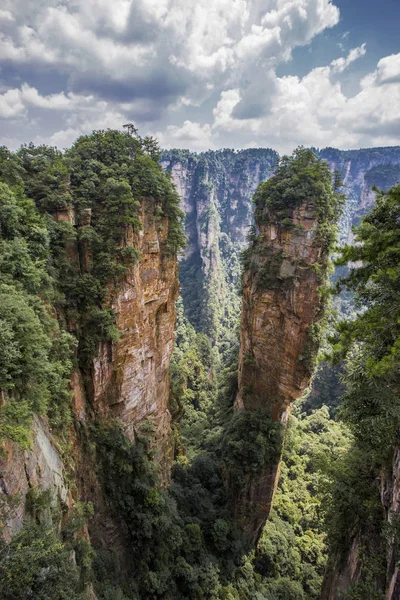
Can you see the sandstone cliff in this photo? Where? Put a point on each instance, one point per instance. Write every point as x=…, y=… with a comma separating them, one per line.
x=216, y=190
x=131, y=375
x=129, y=379
x=282, y=308
x=100, y=226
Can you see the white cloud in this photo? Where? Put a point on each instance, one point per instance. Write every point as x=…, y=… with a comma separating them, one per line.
x=340, y=64
x=11, y=105
x=190, y=135
x=201, y=73
x=17, y=101
x=388, y=69
x=5, y=15
x=165, y=47
x=313, y=110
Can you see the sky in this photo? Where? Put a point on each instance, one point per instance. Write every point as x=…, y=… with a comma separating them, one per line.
x=202, y=74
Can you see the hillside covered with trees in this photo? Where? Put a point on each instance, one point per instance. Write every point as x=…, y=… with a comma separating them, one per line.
x=116, y=480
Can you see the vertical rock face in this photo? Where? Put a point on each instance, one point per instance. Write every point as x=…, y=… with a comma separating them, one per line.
x=131, y=375
x=129, y=379
x=361, y=170
x=281, y=304
x=216, y=190
x=41, y=466
x=285, y=269
x=341, y=575
x=281, y=300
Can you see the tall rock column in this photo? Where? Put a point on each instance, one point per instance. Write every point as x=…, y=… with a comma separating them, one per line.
x=131, y=375
x=285, y=269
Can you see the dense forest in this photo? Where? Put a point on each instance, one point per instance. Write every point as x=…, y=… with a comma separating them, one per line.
x=177, y=539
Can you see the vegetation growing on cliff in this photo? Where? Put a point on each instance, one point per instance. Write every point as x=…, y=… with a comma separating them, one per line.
x=46, y=232
x=68, y=232
x=35, y=352
x=370, y=344
x=37, y=562
x=302, y=177
x=183, y=542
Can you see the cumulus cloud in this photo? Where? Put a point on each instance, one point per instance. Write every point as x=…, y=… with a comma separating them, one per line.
x=202, y=74
x=313, y=110
x=189, y=134
x=388, y=69
x=11, y=105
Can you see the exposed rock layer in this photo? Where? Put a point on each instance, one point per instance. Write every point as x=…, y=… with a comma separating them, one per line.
x=278, y=313
x=131, y=376
x=129, y=379
x=216, y=189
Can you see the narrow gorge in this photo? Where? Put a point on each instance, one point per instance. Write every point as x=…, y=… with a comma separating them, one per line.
x=143, y=433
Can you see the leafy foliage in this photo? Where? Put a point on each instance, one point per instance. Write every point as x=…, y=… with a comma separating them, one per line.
x=293, y=543
x=369, y=343
x=36, y=564
x=35, y=353
x=180, y=540
x=251, y=441
x=299, y=178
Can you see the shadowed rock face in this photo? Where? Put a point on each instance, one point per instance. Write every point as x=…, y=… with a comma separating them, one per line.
x=281, y=306
x=129, y=380
x=273, y=369
x=131, y=375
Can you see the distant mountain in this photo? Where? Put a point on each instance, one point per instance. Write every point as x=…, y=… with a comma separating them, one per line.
x=216, y=188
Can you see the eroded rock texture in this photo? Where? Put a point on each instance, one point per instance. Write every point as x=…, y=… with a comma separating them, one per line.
x=281, y=300
x=131, y=375
x=129, y=380
x=20, y=470
x=282, y=306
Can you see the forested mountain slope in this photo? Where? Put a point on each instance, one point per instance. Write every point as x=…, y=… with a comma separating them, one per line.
x=133, y=470
x=216, y=190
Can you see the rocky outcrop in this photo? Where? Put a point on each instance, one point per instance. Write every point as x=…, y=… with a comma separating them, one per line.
x=277, y=315
x=40, y=467
x=281, y=306
x=129, y=381
x=131, y=375
x=283, y=309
